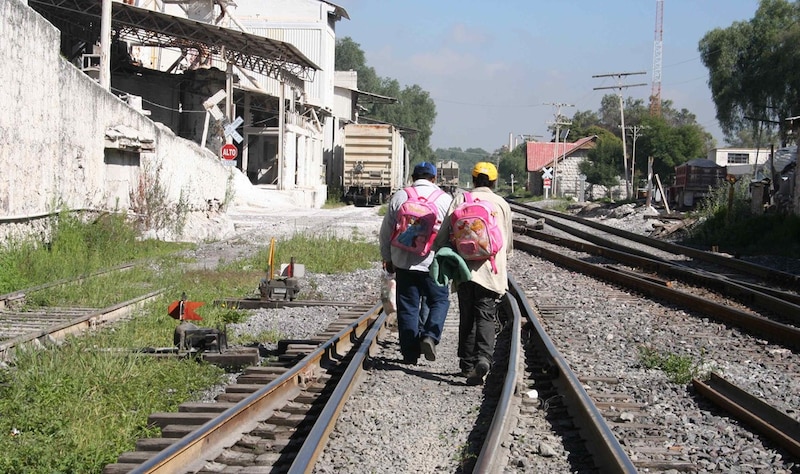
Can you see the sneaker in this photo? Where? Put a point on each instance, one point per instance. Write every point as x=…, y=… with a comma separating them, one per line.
x=428, y=348
x=482, y=368
x=474, y=379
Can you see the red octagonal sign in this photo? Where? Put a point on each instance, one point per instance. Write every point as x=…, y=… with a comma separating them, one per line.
x=229, y=151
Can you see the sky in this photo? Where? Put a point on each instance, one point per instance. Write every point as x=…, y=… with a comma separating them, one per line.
x=494, y=67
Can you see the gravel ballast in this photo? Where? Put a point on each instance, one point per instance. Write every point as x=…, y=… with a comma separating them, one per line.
x=421, y=418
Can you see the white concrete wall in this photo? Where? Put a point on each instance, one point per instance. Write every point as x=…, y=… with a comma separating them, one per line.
x=53, y=121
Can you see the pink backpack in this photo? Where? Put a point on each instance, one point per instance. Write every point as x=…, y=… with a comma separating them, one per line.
x=417, y=222
x=474, y=231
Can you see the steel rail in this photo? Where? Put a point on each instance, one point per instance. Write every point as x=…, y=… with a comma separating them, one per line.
x=766, y=273
x=489, y=456
x=211, y=437
x=771, y=422
x=773, y=331
x=257, y=303
x=89, y=321
x=608, y=454
x=20, y=294
x=315, y=442
x=746, y=293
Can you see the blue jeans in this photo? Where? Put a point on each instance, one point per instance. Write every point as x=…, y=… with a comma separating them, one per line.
x=412, y=287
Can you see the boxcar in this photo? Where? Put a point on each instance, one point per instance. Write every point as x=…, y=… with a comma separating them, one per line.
x=693, y=181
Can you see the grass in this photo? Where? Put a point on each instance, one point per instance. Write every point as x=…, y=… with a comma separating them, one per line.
x=680, y=369
x=320, y=253
x=74, y=407
x=75, y=248
x=77, y=416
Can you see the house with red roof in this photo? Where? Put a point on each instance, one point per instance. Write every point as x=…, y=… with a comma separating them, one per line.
x=563, y=159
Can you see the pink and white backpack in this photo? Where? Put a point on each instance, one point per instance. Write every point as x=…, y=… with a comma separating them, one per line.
x=474, y=231
x=417, y=222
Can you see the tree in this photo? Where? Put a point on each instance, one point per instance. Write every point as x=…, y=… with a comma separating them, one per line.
x=671, y=139
x=415, y=111
x=512, y=163
x=604, y=164
x=753, y=69
x=350, y=57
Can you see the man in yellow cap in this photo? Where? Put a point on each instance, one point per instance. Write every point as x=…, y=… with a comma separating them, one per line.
x=479, y=299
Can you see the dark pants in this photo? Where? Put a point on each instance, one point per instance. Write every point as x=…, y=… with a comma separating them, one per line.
x=479, y=310
x=412, y=287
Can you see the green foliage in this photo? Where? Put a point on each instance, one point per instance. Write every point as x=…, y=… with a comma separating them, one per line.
x=334, y=201
x=320, y=253
x=513, y=162
x=731, y=226
x=414, y=108
x=672, y=139
x=466, y=160
x=752, y=68
x=679, y=368
x=111, y=393
x=74, y=407
x=604, y=164
x=261, y=337
x=75, y=248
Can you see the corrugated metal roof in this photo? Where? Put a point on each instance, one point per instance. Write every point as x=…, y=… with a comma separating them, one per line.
x=337, y=10
x=542, y=154
x=151, y=28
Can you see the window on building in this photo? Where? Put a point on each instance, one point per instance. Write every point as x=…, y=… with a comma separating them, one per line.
x=738, y=158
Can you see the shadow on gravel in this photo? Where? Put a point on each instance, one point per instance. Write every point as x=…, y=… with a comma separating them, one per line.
x=387, y=364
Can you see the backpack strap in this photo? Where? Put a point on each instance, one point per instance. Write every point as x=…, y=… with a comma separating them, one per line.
x=411, y=192
x=468, y=196
x=435, y=195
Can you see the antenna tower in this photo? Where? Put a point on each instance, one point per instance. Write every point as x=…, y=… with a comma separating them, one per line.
x=655, y=94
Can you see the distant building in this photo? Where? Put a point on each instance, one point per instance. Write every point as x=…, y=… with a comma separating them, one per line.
x=739, y=161
x=565, y=158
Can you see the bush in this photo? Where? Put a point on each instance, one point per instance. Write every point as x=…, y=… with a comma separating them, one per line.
x=733, y=228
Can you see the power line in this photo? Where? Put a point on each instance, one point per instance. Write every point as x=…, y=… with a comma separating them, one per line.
x=558, y=123
x=619, y=76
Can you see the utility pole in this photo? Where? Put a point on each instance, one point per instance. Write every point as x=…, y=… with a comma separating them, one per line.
x=105, y=45
x=619, y=87
x=558, y=123
x=635, y=133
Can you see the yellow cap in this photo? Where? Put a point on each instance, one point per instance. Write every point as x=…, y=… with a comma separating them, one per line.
x=484, y=167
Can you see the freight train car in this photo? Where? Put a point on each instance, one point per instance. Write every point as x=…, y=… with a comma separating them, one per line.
x=375, y=163
x=693, y=181
x=447, y=178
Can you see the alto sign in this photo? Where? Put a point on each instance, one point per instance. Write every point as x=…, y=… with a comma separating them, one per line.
x=229, y=152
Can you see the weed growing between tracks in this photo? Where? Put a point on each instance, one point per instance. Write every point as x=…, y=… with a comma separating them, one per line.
x=679, y=369
x=75, y=407
x=319, y=253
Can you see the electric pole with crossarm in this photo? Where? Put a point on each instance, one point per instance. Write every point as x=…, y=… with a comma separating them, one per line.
x=559, y=121
x=619, y=87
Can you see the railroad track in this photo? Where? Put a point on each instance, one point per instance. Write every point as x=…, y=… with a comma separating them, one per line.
x=648, y=436
x=286, y=429
x=289, y=409
x=20, y=325
x=275, y=417
x=662, y=252
x=775, y=314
